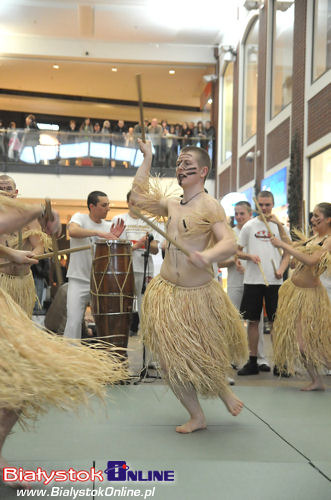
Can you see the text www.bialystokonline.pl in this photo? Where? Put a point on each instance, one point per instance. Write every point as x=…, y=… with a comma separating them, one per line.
x=73, y=493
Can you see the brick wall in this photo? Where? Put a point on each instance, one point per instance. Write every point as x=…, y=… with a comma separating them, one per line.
x=246, y=170
x=224, y=183
x=319, y=115
x=278, y=144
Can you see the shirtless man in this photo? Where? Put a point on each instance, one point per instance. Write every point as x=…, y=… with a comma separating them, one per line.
x=16, y=279
x=187, y=319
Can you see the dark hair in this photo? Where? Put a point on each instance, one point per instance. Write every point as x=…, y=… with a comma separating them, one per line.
x=244, y=203
x=202, y=156
x=128, y=196
x=266, y=194
x=325, y=208
x=93, y=198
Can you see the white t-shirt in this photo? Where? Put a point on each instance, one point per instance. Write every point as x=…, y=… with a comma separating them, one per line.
x=255, y=239
x=81, y=262
x=235, y=278
x=134, y=230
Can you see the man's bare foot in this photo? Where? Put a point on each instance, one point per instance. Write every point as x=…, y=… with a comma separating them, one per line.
x=16, y=484
x=314, y=386
x=233, y=404
x=194, y=424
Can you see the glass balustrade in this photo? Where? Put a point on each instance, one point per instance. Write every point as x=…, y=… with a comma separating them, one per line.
x=80, y=150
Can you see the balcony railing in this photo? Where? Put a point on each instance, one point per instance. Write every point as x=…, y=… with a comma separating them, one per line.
x=80, y=152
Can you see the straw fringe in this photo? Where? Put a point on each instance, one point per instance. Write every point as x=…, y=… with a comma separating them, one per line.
x=311, y=308
x=38, y=369
x=46, y=240
x=195, y=332
x=151, y=193
x=21, y=289
x=201, y=223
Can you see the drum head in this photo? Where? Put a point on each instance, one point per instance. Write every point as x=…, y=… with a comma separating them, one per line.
x=103, y=241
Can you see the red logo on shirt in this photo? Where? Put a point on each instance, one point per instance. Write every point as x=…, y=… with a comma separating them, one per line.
x=263, y=235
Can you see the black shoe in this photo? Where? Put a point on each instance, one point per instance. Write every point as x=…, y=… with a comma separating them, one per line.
x=263, y=367
x=283, y=373
x=249, y=369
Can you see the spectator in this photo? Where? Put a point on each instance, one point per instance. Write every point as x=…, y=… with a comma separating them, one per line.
x=119, y=133
x=137, y=129
x=210, y=134
x=31, y=134
x=186, y=133
x=97, y=132
x=155, y=132
x=172, y=148
x=86, y=126
x=14, y=144
x=106, y=131
x=2, y=140
x=165, y=132
x=199, y=131
x=130, y=139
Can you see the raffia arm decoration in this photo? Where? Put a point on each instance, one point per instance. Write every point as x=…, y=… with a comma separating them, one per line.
x=46, y=240
x=324, y=264
x=151, y=193
x=308, y=246
x=201, y=223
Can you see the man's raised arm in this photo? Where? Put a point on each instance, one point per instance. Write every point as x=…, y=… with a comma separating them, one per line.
x=141, y=195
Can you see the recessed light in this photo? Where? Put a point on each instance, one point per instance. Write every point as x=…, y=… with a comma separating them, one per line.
x=56, y=66
x=172, y=71
x=114, y=69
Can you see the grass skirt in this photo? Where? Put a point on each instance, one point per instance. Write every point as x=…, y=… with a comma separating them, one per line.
x=195, y=332
x=21, y=289
x=310, y=307
x=38, y=369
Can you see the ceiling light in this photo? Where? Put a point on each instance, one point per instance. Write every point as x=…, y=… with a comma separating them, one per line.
x=56, y=66
x=114, y=69
x=210, y=101
x=172, y=71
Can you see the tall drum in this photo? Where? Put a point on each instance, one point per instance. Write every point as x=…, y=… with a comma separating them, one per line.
x=112, y=291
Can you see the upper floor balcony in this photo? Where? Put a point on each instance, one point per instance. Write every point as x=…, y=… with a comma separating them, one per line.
x=55, y=152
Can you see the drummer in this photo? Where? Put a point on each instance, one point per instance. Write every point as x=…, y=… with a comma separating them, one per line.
x=84, y=229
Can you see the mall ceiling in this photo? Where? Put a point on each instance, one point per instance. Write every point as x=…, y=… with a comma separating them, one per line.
x=88, y=40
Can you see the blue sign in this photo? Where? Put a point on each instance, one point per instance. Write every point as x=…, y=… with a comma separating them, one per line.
x=276, y=183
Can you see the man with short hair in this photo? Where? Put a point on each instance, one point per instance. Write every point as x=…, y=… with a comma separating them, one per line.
x=17, y=280
x=83, y=230
x=235, y=279
x=255, y=238
x=187, y=319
